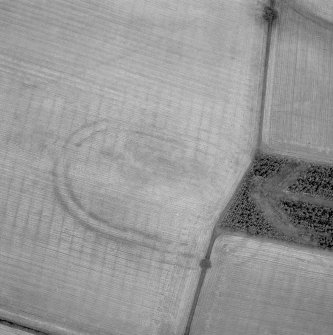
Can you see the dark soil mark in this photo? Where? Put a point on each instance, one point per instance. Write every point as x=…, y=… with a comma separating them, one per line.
x=270, y=13
x=284, y=199
x=19, y=327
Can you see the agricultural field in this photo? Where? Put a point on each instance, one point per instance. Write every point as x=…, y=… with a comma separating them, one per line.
x=165, y=167
x=298, y=119
x=126, y=127
x=258, y=286
x=270, y=267
x=270, y=261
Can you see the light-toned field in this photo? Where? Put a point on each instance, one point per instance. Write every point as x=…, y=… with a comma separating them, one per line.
x=126, y=126
x=265, y=287
x=5, y=330
x=261, y=287
x=318, y=10
x=298, y=119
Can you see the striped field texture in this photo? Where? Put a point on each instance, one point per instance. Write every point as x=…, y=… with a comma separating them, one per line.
x=298, y=119
x=125, y=128
x=261, y=287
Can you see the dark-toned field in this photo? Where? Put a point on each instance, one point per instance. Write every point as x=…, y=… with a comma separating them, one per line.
x=284, y=199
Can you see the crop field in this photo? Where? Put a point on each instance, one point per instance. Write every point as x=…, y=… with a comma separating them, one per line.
x=271, y=262
x=256, y=286
x=298, y=119
x=125, y=127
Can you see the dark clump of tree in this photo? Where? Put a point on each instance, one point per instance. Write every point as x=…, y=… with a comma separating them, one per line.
x=317, y=221
x=246, y=216
x=266, y=165
x=317, y=180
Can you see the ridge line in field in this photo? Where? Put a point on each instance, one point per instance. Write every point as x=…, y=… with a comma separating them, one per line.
x=15, y=325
